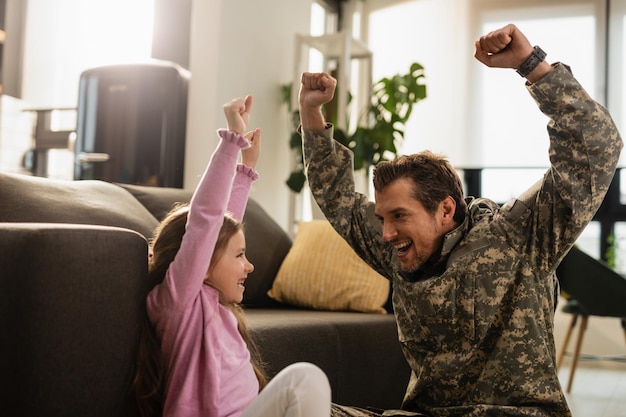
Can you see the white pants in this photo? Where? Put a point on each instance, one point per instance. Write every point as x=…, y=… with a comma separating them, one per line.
x=300, y=390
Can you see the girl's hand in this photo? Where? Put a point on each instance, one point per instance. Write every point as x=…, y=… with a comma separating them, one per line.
x=237, y=113
x=250, y=155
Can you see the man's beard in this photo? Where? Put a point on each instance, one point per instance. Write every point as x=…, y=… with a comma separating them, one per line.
x=417, y=270
x=414, y=266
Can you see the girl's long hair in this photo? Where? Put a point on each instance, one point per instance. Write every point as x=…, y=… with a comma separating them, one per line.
x=151, y=371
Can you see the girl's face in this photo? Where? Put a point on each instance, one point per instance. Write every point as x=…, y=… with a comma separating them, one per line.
x=231, y=270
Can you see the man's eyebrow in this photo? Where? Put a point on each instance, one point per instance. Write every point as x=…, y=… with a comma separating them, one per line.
x=395, y=210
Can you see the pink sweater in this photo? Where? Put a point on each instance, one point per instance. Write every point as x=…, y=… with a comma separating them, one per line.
x=209, y=367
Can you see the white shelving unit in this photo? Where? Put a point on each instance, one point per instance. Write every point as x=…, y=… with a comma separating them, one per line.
x=339, y=50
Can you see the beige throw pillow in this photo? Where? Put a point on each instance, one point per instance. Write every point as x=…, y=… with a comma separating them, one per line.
x=321, y=271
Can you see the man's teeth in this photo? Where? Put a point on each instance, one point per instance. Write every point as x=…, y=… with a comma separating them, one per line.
x=402, y=245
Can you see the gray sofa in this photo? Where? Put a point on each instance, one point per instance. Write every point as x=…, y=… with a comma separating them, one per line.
x=73, y=280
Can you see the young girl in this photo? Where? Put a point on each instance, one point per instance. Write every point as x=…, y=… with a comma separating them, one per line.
x=207, y=365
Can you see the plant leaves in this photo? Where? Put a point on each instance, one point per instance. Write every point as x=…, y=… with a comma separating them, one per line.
x=295, y=141
x=381, y=125
x=296, y=181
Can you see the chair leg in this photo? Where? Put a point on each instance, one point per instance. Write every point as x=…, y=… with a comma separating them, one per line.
x=579, y=342
x=568, y=334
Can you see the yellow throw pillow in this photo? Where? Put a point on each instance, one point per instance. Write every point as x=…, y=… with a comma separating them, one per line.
x=321, y=271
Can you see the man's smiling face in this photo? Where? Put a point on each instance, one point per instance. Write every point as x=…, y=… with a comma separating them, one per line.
x=416, y=234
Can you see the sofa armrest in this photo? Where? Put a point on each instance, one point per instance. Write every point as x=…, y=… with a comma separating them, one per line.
x=70, y=300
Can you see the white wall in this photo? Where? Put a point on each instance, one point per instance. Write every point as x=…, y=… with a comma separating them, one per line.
x=240, y=47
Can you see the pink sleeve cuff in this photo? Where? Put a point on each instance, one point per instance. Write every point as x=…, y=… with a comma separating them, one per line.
x=233, y=137
x=249, y=172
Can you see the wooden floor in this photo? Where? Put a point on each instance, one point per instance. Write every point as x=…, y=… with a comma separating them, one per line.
x=599, y=386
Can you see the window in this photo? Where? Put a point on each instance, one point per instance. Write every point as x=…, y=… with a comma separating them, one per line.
x=323, y=21
x=319, y=26
x=477, y=116
x=616, y=90
x=82, y=34
x=512, y=129
x=511, y=132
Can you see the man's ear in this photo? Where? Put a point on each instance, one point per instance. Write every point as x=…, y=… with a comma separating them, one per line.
x=448, y=208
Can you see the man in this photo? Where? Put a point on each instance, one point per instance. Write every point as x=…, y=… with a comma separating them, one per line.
x=474, y=289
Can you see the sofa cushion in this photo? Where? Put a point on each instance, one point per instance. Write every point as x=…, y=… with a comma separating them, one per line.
x=158, y=200
x=321, y=271
x=35, y=199
x=267, y=243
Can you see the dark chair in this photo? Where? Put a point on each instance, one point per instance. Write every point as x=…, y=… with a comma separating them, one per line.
x=591, y=288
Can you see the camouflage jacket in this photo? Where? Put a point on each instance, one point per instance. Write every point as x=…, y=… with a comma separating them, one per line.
x=477, y=328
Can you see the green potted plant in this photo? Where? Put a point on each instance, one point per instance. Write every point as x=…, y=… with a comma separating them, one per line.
x=380, y=127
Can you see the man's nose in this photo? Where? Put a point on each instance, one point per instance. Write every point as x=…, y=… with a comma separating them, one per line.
x=389, y=232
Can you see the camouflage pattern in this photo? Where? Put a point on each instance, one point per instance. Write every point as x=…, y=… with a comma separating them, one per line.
x=477, y=327
x=343, y=411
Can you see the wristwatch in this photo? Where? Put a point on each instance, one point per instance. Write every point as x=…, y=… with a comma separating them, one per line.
x=531, y=63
